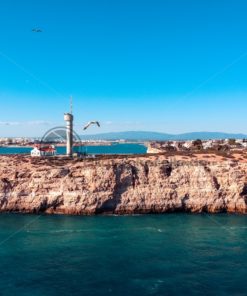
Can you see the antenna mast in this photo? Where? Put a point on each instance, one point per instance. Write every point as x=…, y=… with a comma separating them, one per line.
x=71, y=105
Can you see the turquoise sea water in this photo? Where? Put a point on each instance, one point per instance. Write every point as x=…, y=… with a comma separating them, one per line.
x=174, y=254
x=113, y=149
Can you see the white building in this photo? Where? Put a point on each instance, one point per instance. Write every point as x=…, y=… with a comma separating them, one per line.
x=43, y=151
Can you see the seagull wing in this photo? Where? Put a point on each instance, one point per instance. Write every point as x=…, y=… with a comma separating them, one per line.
x=90, y=123
x=87, y=126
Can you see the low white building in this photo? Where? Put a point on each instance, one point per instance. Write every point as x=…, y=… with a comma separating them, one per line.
x=43, y=151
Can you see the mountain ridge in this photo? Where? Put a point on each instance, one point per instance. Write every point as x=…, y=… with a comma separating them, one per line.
x=157, y=136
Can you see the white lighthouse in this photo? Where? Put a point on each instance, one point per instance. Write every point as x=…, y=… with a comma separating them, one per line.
x=68, y=118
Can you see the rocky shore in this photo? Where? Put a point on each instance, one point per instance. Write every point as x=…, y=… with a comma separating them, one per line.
x=122, y=185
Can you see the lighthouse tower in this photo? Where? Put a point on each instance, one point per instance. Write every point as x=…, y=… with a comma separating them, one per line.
x=68, y=118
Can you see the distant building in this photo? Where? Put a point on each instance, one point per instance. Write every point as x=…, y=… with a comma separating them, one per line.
x=43, y=151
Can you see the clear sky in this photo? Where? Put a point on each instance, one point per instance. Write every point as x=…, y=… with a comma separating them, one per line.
x=158, y=65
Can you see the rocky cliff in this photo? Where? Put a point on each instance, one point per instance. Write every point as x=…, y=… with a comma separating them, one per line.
x=151, y=184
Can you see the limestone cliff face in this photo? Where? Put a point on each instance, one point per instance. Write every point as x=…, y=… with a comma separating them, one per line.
x=121, y=186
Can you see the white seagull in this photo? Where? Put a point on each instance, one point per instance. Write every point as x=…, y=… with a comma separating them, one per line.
x=37, y=30
x=90, y=123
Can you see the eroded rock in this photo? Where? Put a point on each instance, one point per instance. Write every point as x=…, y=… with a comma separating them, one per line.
x=121, y=186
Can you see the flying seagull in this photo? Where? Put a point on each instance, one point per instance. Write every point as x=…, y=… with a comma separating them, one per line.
x=36, y=30
x=90, y=123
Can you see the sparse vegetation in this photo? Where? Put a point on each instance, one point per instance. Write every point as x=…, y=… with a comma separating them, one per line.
x=232, y=142
x=197, y=144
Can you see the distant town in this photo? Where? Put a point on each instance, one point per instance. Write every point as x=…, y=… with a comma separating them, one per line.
x=26, y=142
x=225, y=145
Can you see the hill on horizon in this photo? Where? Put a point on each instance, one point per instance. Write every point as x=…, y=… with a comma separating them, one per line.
x=156, y=136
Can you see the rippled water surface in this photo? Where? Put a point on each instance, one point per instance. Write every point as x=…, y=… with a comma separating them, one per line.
x=173, y=254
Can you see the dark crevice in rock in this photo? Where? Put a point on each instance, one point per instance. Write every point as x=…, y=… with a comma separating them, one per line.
x=146, y=170
x=3, y=201
x=204, y=209
x=184, y=201
x=7, y=186
x=45, y=205
x=244, y=190
x=216, y=183
x=207, y=169
x=121, y=186
x=166, y=170
x=135, y=177
x=64, y=172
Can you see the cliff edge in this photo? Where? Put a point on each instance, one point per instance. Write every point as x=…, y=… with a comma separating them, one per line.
x=127, y=185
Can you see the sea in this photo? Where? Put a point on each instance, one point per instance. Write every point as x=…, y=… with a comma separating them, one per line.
x=173, y=254
x=126, y=148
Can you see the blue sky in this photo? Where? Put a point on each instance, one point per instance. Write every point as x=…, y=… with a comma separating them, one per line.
x=163, y=65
